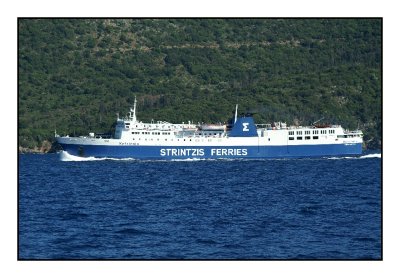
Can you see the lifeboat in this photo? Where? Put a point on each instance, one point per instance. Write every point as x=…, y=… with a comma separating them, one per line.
x=212, y=127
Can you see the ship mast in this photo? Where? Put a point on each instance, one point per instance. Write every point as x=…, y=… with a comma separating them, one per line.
x=133, y=112
x=236, y=113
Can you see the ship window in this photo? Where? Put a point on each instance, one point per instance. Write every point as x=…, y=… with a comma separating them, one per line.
x=299, y=138
x=299, y=132
x=307, y=137
x=291, y=138
x=307, y=132
x=291, y=132
x=315, y=137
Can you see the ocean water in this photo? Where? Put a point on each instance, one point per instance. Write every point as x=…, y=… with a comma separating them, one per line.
x=319, y=208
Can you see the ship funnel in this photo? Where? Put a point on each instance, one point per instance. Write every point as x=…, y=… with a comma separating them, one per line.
x=244, y=127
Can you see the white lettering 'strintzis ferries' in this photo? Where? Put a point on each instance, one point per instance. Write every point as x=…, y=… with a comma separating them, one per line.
x=240, y=137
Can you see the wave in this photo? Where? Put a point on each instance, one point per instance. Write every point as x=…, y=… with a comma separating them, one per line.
x=372, y=155
x=188, y=159
x=65, y=156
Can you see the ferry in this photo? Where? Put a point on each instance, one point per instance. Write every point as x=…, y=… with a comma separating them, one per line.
x=239, y=138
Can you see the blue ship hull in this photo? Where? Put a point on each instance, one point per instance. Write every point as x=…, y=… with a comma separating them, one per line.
x=212, y=152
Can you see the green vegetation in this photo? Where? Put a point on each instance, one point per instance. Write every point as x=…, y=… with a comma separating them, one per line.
x=76, y=74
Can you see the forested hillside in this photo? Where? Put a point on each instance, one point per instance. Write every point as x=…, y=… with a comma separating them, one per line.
x=75, y=75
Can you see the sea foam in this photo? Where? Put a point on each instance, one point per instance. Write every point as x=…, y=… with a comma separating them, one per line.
x=65, y=156
x=372, y=155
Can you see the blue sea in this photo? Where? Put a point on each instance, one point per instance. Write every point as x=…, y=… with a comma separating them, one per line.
x=311, y=208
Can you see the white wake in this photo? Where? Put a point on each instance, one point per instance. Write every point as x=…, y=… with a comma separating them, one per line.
x=65, y=156
x=372, y=155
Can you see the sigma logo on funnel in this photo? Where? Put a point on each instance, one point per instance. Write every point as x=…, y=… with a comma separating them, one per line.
x=245, y=126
